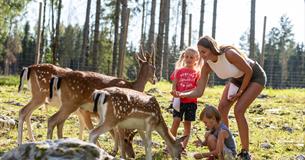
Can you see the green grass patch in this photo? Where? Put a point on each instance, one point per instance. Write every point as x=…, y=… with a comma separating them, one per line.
x=276, y=119
x=9, y=80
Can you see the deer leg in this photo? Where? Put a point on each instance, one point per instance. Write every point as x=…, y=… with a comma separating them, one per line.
x=81, y=123
x=144, y=141
x=148, y=145
x=100, y=129
x=58, y=119
x=120, y=133
x=87, y=122
x=60, y=127
x=116, y=141
x=25, y=115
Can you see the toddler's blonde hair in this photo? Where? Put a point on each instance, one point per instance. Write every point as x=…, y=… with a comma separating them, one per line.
x=180, y=63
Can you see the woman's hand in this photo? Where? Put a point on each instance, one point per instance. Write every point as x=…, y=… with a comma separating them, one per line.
x=236, y=96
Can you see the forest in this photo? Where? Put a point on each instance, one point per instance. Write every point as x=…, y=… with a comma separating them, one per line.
x=100, y=43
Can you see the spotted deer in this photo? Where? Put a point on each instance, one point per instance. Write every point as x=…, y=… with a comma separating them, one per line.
x=75, y=89
x=38, y=78
x=127, y=108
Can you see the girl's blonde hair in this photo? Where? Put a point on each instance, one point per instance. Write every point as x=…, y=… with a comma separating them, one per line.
x=180, y=63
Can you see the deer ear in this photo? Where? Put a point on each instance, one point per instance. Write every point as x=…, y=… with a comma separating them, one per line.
x=181, y=139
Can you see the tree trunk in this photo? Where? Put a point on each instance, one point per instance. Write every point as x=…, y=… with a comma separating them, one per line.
x=212, y=76
x=159, y=56
x=115, y=41
x=174, y=38
x=182, y=25
x=96, y=36
x=53, y=33
x=214, y=21
x=85, y=46
x=56, y=41
x=42, y=31
x=151, y=37
x=123, y=36
x=262, y=56
x=166, y=39
x=143, y=21
x=201, y=21
x=252, y=30
x=190, y=30
x=271, y=65
x=284, y=63
x=6, y=66
x=38, y=38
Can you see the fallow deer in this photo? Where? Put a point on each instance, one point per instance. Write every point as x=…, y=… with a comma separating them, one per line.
x=38, y=77
x=127, y=108
x=75, y=89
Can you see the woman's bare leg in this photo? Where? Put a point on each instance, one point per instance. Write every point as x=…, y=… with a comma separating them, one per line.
x=250, y=94
x=224, y=106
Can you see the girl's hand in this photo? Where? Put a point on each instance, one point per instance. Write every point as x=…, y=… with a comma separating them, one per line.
x=175, y=93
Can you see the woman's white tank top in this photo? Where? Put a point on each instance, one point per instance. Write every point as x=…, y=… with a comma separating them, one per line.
x=224, y=69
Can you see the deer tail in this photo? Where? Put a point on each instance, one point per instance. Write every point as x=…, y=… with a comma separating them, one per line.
x=54, y=85
x=24, y=75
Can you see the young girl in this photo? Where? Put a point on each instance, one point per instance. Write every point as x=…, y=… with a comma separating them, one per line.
x=184, y=78
x=218, y=138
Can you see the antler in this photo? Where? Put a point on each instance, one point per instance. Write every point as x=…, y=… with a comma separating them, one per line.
x=141, y=56
x=153, y=53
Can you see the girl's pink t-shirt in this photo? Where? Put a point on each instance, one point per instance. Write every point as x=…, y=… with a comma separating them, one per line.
x=186, y=79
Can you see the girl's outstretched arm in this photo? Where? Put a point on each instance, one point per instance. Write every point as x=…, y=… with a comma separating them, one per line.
x=201, y=84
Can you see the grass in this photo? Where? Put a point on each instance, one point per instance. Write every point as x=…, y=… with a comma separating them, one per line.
x=276, y=119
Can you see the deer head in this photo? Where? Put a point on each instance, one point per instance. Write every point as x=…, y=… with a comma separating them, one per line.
x=147, y=65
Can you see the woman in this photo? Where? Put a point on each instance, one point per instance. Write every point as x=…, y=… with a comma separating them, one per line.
x=229, y=63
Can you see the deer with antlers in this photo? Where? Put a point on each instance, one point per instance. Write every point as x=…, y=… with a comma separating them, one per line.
x=75, y=89
x=127, y=108
x=38, y=77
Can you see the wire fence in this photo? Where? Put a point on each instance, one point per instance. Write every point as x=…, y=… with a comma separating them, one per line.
x=278, y=76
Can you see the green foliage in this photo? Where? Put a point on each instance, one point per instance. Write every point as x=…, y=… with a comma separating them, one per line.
x=9, y=80
x=27, y=56
x=276, y=118
x=69, y=47
x=8, y=11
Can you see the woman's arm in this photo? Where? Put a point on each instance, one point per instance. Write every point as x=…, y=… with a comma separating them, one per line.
x=238, y=61
x=201, y=84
